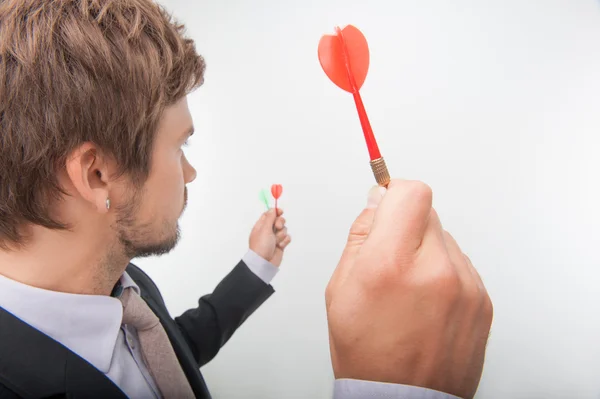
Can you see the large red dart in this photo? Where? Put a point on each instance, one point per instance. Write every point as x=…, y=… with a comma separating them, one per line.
x=345, y=59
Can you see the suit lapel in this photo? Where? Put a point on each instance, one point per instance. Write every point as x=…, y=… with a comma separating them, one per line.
x=34, y=365
x=82, y=380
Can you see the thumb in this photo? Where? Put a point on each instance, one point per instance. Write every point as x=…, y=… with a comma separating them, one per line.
x=402, y=217
x=376, y=194
x=359, y=231
x=268, y=219
x=362, y=225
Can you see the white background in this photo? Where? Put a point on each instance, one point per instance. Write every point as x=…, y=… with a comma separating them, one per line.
x=495, y=104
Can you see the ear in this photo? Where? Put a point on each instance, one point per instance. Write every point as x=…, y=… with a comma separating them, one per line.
x=89, y=172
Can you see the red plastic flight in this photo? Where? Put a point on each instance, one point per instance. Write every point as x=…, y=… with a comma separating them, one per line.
x=345, y=59
x=276, y=191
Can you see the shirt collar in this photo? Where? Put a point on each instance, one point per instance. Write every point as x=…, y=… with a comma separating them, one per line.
x=124, y=282
x=86, y=324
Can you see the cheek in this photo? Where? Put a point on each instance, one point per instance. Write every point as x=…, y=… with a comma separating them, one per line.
x=174, y=178
x=167, y=184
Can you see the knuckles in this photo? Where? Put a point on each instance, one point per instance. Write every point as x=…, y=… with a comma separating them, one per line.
x=421, y=192
x=444, y=282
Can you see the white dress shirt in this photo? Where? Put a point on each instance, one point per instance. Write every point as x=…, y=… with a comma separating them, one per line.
x=358, y=389
x=90, y=326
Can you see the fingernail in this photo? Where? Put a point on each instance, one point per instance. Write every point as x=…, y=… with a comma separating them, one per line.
x=375, y=195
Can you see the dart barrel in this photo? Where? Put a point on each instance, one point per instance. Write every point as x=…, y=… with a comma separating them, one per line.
x=380, y=171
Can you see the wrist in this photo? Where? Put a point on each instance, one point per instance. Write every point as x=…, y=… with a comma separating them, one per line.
x=261, y=267
x=257, y=252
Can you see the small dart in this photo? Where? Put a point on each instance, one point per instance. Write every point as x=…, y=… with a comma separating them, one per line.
x=276, y=190
x=264, y=198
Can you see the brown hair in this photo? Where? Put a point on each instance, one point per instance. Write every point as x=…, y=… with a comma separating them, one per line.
x=73, y=71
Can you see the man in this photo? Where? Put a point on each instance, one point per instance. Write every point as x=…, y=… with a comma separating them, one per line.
x=93, y=118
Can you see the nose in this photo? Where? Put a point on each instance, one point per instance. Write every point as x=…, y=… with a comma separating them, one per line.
x=189, y=173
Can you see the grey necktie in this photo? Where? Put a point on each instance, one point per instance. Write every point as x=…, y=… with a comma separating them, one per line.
x=156, y=348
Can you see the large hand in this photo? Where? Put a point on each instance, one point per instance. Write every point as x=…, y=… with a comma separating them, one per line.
x=405, y=305
x=269, y=236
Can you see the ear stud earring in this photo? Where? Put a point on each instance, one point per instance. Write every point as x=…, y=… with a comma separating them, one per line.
x=107, y=203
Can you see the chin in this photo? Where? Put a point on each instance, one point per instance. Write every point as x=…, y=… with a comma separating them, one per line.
x=139, y=249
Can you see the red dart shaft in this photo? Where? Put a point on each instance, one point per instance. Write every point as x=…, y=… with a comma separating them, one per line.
x=362, y=114
x=366, y=126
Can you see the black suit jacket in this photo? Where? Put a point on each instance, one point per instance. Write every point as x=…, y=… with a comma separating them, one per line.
x=33, y=365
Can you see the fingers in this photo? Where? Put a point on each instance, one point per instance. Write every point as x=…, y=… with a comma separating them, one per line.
x=434, y=233
x=281, y=234
x=279, y=223
x=403, y=215
x=471, y=281
x=474, y=273
x=488, y=307
x=285, y=242
x=464, y=267
x=457, y=258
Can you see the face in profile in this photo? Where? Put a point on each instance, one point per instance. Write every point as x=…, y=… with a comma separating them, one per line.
x=148, y=222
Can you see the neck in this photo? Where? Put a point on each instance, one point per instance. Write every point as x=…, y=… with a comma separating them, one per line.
x=79, y=262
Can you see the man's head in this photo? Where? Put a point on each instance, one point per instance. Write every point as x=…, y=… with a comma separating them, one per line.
x=93, y=117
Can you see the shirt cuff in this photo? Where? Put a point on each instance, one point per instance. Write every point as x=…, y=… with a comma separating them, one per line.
x=264, y=269
x=358, y=389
